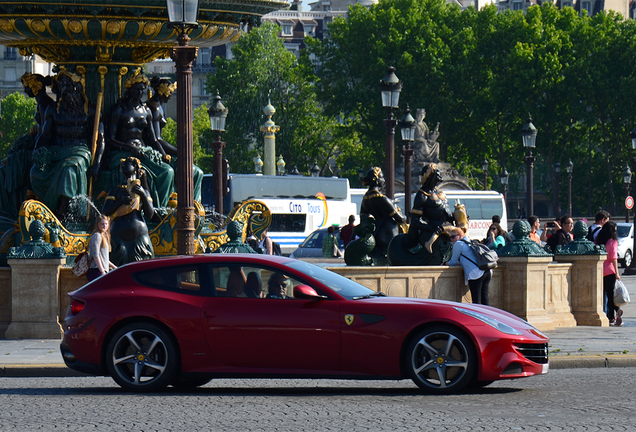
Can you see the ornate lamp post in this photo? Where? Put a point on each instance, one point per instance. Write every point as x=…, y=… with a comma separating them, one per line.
x=407, y=125
x=182, y=15
x=258, y=165
x=569, y=168
x=627, y=181
x=557, y=204
x=484, y=168
x=390, y=87
x=631, y=270
x=295, y=171
x=529, y=137
x=218, y=114
x=315, y=170
x=503, y=178
x=280, y=165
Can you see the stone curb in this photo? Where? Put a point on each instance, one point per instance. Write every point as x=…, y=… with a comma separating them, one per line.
x=37, y=371
x=599, y=361
x=570, y=362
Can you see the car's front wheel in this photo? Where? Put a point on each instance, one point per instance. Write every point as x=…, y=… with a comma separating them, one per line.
x=441, y=359
x=627, y=261
x=141, y=357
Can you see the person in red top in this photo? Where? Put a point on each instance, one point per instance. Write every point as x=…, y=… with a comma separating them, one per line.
x=609, y=237
x=347, y=231
x=535, y=224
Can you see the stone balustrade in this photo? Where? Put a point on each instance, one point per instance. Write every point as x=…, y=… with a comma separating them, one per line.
x=546, y=293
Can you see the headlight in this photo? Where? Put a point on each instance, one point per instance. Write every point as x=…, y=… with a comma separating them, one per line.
x=504, y=328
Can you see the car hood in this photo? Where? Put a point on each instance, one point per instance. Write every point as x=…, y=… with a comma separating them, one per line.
x=440, y=306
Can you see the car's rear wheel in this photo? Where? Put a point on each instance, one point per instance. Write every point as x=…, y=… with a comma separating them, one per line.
x=141, y=357
x=441, y=359
x=627, y=261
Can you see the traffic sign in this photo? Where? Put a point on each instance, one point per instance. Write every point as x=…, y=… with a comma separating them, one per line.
x=629, y=203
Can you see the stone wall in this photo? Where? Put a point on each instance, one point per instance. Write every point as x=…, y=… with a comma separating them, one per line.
x=5, y=299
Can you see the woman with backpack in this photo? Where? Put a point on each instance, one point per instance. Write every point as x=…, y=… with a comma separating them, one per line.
x=477, y=280
x=609, y=237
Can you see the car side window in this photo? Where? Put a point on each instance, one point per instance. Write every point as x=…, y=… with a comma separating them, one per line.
x=181, y=279
x=236, y=281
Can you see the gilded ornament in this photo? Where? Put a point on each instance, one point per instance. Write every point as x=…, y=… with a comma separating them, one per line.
x=210, y=32
x=136, y=77
x=75, y=26
x=228, y=32
x=38, y=26
x=6, y=26
x=150, y=28
x=113, y=27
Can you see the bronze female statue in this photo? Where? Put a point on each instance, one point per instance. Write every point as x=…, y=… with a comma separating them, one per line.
x=124, y=204
x=131, y=133
x=163, y=88
x=62, y=154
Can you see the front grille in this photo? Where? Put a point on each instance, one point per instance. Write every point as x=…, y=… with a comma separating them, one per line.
x=537, y=353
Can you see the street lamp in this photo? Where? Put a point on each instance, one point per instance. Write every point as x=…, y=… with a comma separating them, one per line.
x=390, y=87
x=280, y=165
x=557, y=207
x=627, y=181
x=484, y=168
x=218, y=114
x=315, y=170
x=407, y=125
x=503, y=178
x=182, y=16
x=295, y=171
x=529, y=137
x=258, y=165
x=569, y=168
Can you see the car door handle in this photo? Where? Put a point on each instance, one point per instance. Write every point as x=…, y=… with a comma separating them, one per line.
x=208, y=315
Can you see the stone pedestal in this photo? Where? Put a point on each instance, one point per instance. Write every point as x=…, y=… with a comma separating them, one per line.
x=586, y=290
x=526, y=290
x=35, y=299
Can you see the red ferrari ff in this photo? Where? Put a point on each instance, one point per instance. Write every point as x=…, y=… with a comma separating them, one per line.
x=183, y=321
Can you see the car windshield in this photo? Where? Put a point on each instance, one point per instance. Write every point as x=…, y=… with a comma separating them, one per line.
x=623, y=230
x=340, y=284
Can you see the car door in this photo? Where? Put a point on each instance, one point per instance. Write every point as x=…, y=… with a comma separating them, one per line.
x=271, y=334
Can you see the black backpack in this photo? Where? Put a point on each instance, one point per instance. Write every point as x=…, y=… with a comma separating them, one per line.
x=276, y=249
x=590, y=233
x=486, y=257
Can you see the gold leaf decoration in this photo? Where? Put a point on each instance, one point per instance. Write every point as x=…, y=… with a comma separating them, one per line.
x=75, y=26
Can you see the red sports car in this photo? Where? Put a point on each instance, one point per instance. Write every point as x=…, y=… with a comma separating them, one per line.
x=182, y=321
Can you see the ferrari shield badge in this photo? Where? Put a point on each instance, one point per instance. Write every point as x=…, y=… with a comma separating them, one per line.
x=349, y=319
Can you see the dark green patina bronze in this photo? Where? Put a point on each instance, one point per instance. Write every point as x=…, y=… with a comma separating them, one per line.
x=580, y=245
x=37, y=248
x=235, y=245
x=358, y=251
x=522, y=245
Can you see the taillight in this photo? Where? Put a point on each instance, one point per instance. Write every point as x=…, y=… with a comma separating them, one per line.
x=77, y=306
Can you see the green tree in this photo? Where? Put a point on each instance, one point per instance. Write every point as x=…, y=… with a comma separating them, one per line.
x=17, y=119
x=263, y=71
x=201, y=137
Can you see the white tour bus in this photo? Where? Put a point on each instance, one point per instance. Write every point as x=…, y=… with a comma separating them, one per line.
x=299, y=205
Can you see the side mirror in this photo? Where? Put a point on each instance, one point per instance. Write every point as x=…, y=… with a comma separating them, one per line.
x=307, y=293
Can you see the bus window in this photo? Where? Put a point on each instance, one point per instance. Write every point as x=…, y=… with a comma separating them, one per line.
x=473, y=207
x=288, y=222
x=491, y=207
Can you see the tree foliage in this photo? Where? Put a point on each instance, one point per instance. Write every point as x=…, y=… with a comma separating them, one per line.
x=481, y=74
x=17, y=119
x=263, y=71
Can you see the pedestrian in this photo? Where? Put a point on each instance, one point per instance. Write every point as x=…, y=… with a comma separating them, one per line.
x=504, y=233
x=535, y=224
x=609, y=237
x=477, y=280
x=330, y=247
x=494, y=238
x=266, y=243
x=347, y=231
x=601, y=218
x=99, y=249
x=562, y=236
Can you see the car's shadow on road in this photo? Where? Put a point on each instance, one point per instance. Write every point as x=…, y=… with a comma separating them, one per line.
x=249, y=391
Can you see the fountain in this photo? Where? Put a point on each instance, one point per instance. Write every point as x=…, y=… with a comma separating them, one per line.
x=103, y=46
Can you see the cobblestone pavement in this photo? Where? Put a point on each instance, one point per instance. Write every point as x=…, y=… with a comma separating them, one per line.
x=563, y=400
